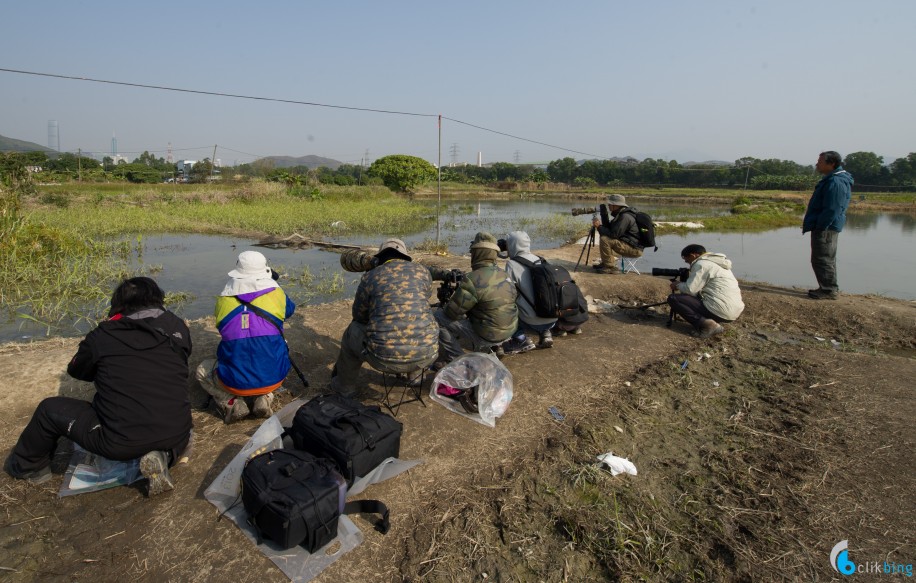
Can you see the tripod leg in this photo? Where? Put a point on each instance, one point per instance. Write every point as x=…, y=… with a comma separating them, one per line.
x=587, y=246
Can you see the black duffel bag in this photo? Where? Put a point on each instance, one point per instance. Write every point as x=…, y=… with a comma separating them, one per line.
x=357, y=437
x=293, y=498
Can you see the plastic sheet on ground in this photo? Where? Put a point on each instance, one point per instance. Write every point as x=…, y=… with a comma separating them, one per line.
x=296, y=563
x=484, y=371
x=617, y=465
x=90, y=472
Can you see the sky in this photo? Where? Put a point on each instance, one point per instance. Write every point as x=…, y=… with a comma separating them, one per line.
x=516, y=81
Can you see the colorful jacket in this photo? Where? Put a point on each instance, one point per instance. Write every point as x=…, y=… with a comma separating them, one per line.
x=252, y=357
x=139, y=364
x=392, y=300
x=827, y=207
x=711, y=279
x=487, y=298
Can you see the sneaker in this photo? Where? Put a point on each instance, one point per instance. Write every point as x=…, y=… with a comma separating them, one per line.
x=822, y=294
x=498, y=351
x=155, y=468
x=262, y=406
x=232, y=410
x=518, y=345
x=560, y=333
x=576, y=332
x=35, y=477
x=608, y=269
x=709, y=328
x=546, y=340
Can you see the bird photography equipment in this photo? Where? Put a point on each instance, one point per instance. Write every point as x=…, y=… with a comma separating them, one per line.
x=448, y=286
x=678, y=274
x=357, y=260
x=584, y=211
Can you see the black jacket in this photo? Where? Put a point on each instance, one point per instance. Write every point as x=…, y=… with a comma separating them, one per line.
x=140, y=370
x=623, y=226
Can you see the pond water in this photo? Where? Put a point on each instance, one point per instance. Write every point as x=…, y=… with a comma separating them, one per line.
x=875, y=253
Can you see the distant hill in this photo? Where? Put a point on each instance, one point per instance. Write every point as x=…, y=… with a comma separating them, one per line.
x=14, y=145
x=308, y=161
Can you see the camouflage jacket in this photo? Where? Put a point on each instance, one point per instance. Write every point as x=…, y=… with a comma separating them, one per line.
x=393, y=302
x=487, y=298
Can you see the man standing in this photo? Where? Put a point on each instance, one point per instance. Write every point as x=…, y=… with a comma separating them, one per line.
x=619, y=235
x=482, y=311
x=710, y=295
x=825, y=218
x=393, y=328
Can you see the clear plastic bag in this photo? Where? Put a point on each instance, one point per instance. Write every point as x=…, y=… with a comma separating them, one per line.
x=90, y=472
x=470, y=375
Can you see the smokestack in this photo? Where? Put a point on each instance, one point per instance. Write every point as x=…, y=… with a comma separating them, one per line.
x=479, y=159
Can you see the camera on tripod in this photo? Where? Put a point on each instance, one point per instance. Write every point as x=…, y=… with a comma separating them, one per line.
x=681, y=273
x=448, y=286
x=591, y=210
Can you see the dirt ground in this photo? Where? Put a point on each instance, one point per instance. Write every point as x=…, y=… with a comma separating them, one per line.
x=757, y=452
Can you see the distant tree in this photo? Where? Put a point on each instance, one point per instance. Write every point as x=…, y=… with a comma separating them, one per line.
x=107, y=162
x=867, y=168
x=138, y=173
x=563, y=170
x=200, y=172
x=401, y=172
x=903, y=170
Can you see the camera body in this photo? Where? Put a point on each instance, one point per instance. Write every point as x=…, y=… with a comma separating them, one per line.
x=448, y=286
x=678, y=274
x=596, y=211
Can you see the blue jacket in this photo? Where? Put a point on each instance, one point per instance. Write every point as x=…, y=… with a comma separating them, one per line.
x=827, y=207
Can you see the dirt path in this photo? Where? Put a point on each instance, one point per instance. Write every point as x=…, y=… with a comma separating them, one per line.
x=756, y=458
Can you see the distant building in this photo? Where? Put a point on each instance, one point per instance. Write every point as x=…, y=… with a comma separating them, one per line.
x=183, y=167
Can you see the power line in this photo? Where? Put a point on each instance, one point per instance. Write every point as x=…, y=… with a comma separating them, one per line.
x=294, y=102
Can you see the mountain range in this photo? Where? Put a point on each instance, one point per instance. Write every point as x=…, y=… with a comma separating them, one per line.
x=14, y=145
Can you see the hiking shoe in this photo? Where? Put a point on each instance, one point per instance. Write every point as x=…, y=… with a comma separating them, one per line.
x=822, y=294
x=518, y=345
x=232, y=410
x=262, y=406
x=498, y=351
x=560, y=333
x=35, y=477
x=155, y=468
x=608, y=269
x=709, y=328
x=546, y=340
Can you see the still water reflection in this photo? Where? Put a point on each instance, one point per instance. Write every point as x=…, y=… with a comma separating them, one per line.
x=875, y=252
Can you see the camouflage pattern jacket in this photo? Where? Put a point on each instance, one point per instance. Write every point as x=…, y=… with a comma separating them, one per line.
x=393, y=302
x=487, y=298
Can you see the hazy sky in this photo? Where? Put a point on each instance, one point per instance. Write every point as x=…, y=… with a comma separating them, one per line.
x=674, y=79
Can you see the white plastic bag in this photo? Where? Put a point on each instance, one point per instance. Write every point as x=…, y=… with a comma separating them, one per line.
x=491, y=380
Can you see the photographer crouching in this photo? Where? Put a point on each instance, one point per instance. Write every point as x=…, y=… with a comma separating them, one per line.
x=710, y=295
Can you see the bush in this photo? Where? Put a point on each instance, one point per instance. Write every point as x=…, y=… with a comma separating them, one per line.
x=401, y=173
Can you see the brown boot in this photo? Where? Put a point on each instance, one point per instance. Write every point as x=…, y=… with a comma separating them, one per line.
x=709, y=328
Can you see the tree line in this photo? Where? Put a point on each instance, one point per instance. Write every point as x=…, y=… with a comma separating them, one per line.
x=869, y=170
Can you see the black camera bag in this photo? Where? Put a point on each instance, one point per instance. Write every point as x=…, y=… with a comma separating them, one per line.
x=293, y=498
x=556, y=294
x=357, y=437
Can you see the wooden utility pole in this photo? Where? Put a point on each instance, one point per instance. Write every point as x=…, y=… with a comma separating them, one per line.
x=439, y=183
x=79, y=164
x=213, y=163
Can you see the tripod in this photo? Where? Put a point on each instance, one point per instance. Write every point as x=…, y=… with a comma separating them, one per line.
x=587, y=248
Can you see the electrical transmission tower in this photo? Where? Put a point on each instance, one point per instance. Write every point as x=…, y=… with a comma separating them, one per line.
x=454, y=151
x=518, y=156
x=168, y=155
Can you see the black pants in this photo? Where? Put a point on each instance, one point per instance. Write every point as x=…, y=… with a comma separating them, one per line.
x=691, y=309
x=58, y=417
x=823, y=259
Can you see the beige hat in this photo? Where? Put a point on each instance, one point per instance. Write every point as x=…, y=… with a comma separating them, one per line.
x=484, y=240
x=395, y=245
x=617, y=199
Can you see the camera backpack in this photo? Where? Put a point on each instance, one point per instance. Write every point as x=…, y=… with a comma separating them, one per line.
x=355, y=436
x=556, y=294
x=646, y=229
x=293, y=498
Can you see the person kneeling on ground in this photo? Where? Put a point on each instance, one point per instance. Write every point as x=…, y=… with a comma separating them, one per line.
x=710, y=295
x=619, y=235
x=482, y=312
x=393, y=328
x=518, y=245
x=252, y=359
x=138, y=360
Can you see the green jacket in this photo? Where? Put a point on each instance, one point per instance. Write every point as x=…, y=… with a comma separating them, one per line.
x=487, y=298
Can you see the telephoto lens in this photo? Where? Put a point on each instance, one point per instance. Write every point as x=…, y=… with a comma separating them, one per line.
x=357, y=260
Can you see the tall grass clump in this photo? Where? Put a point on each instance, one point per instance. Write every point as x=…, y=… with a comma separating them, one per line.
x=48, y=274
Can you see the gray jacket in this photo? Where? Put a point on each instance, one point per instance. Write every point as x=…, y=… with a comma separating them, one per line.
x=518, y=244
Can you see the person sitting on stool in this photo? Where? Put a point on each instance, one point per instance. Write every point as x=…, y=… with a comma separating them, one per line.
x=710, y=295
